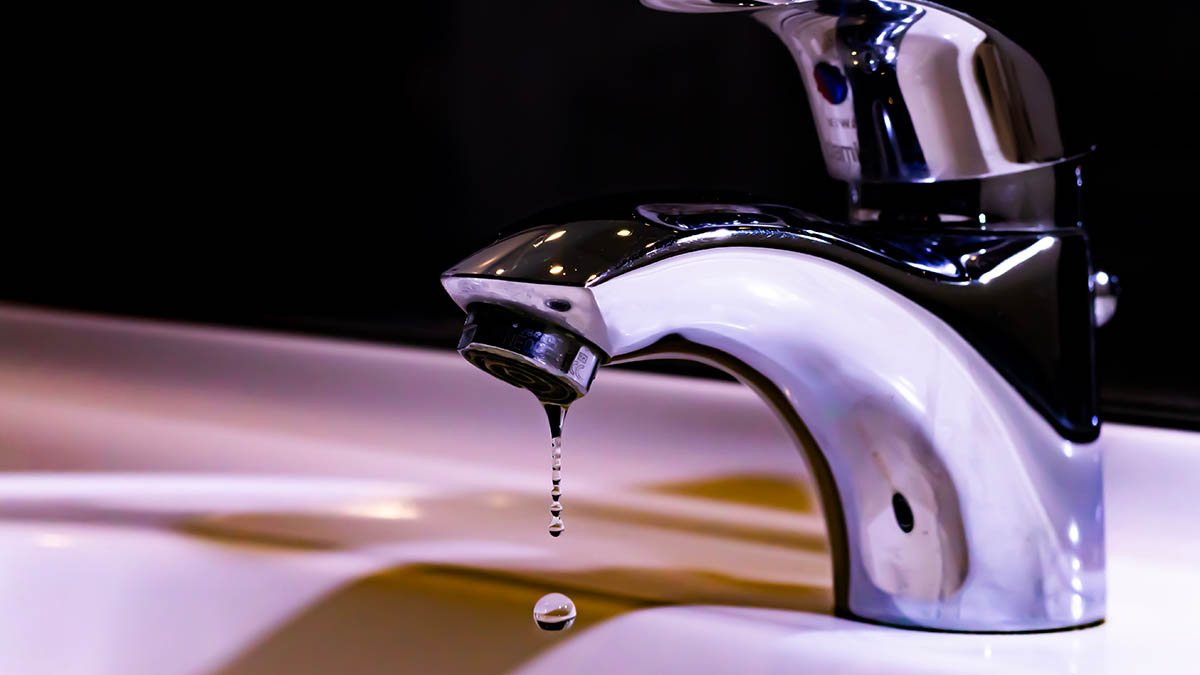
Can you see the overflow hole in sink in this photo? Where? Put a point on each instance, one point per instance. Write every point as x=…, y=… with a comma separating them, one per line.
x=903, y=512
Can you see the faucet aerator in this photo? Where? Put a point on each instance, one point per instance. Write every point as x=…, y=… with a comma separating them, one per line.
x=552, y=362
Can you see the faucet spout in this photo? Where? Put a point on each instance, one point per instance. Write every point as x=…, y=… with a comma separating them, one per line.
x=953, y=500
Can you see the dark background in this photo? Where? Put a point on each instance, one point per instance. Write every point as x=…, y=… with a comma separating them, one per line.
x=315, y=171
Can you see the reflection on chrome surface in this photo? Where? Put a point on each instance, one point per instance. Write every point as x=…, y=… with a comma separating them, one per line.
x=1107, y=290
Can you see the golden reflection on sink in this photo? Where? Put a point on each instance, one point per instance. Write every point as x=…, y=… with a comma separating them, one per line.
x=620, y=553
x=419, y=619
x=771, y=492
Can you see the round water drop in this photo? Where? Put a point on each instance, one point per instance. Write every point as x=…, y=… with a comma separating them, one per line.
x=554, y=611
x=556, y=492
x=556, y=526
x=555, y=474
x=555, y=508
x=557, y=463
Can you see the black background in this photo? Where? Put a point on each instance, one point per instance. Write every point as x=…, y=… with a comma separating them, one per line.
x=315, y=170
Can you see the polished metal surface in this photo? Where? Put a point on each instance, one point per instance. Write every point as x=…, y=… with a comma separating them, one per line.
x=692, y=217
x=932, y=356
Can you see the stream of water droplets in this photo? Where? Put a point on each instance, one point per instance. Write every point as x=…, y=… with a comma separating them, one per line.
x=555, y=611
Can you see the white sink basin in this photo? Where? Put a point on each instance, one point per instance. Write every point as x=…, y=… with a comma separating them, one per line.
x=183, y=500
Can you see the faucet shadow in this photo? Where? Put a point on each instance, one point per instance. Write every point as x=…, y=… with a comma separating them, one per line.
x=462, y=620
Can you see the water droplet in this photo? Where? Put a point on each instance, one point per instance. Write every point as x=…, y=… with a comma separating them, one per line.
x=555, y=492
x=555, y=508
x=556, y=526
x=555, y=474
x=554, y=611
x=556, y=464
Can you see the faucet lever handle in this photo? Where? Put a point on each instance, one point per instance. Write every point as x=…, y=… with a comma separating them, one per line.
x=911, y=92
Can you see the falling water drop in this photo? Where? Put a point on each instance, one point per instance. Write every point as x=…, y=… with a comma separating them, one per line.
x=555, y=414
x=554, y=611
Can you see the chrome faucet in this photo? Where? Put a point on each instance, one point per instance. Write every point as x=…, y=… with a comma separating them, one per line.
x=931, y=353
